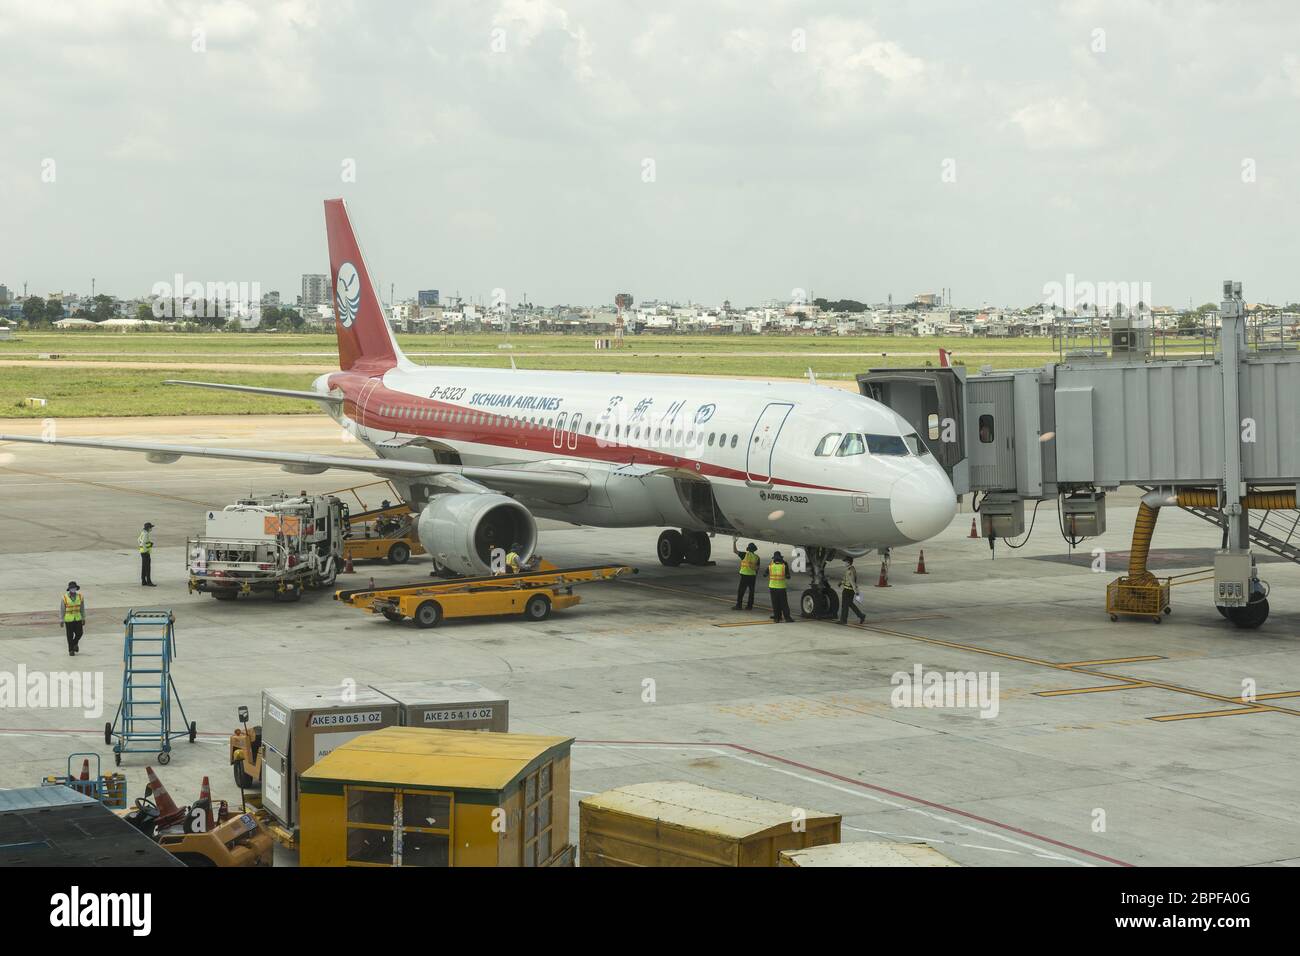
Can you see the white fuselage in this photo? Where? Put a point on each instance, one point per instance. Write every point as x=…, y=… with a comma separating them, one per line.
x=745, y=457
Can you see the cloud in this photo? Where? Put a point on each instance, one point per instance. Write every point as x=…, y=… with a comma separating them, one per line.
x=1059, y=123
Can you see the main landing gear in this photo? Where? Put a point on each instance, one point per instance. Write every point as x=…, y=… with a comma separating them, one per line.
x=690, y=547
x=819, y=599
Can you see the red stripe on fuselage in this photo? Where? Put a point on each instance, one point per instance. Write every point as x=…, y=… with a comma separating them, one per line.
x=531, y=438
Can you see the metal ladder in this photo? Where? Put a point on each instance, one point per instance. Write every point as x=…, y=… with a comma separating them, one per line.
x=1271, y=532
x=145, y=711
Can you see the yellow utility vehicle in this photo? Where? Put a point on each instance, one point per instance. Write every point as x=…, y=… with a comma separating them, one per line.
x=380, y=525
x=532, y=594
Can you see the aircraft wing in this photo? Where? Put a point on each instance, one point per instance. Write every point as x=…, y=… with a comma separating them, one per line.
x=258, y=390
x=536, y=482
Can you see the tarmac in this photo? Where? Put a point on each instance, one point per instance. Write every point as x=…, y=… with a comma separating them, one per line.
x=1106, y=744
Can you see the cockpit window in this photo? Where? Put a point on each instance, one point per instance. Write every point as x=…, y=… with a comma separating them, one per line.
x=828, y=444
x=852, y=445
x=916, y=445
x=886, y=445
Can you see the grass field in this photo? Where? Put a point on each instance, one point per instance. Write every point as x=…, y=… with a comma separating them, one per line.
x=114, y=390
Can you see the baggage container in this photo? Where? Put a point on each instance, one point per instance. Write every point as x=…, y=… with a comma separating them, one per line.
x=675, y=823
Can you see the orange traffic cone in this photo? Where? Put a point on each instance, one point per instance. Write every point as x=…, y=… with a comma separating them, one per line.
x=884, y=577
x=168, y=812
x=85, y=769
x=973, y=532
x=920, y=564
x=347, y=566
x=205, y=798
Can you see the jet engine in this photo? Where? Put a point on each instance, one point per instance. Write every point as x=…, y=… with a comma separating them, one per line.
x=461, y=531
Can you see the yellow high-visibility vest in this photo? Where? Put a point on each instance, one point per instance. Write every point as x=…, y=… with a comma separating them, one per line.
x=512, y=561
x=145, y=542
x=776, y=574
x=749, y=564
x=72, y=608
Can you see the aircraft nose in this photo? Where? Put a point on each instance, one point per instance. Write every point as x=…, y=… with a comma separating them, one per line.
x=922, y=504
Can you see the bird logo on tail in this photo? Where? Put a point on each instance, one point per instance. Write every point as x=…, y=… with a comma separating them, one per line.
x=347, y=294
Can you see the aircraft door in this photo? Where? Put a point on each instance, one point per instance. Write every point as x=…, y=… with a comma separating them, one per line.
x=762, y=443
x=363, y=401
x=557, y=436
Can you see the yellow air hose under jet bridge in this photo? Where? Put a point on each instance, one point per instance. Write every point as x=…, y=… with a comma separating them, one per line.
x=1140, y=592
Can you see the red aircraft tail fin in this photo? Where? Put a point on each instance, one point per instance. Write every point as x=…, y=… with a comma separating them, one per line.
x=365, y=340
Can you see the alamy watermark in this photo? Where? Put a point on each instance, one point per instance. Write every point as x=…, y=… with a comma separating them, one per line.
x=946, y=689
x=38, y=690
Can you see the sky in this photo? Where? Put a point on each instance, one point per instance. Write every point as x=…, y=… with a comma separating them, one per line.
x=568, y=150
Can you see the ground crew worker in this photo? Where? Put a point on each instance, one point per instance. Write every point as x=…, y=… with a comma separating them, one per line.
x=73, y=606
x=776, y=589
x=145, y=543
x=748, y=576
x=848, y=592
x=513, y=565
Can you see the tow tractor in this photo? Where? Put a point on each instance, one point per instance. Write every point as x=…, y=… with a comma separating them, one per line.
x=201, y=834
x=532, y=594
x=275, y=544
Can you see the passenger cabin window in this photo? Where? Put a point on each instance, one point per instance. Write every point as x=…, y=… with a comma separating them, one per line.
x=828, y=444
x=852, y=444
x=986, y=429
x=886, y=445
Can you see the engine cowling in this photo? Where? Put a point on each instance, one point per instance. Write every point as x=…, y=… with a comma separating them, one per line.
x=461, y=531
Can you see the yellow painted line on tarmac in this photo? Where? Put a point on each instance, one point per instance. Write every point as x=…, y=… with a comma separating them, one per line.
x=1113, y=660
x=1075, y=668
x=1092, y=690
x=1216, y=713
x=1285, y=693
x=743, y=623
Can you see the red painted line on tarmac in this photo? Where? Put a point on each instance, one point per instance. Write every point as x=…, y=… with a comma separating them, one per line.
x=869, y=786
x=749, y=750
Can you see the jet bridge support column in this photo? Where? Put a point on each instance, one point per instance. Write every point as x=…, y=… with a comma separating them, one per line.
x=1232, y=345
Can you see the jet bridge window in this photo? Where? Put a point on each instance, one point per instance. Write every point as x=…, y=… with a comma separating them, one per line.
x=886, y=445
x=986, y=429
x=828, y=444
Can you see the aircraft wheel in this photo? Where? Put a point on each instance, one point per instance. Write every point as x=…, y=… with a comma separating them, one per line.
x=812, y=603
x=428, y=614
x=399, y=553
x=832, y=602
x=671, y=549
x=696, y=547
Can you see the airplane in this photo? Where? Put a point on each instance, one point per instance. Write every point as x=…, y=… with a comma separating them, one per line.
x=480, y=453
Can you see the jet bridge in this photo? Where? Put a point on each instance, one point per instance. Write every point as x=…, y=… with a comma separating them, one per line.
x=1215, y=433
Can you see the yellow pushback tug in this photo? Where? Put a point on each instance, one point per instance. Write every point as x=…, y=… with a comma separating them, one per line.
x=532, y=594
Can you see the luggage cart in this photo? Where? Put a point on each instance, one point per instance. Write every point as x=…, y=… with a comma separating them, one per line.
x=144, y=714
x=530, y=594
x=108, y=789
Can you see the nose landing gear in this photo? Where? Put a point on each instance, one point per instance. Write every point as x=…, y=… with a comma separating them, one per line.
x=819, y=599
